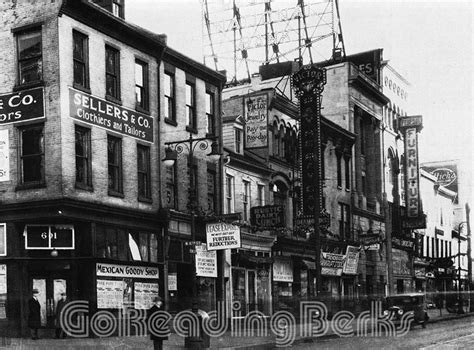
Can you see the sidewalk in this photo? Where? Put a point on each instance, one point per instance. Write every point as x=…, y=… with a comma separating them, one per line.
x=227, y=342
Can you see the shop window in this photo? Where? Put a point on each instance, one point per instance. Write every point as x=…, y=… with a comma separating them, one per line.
x=400, y=287
x=171, y=188
x=169, y=107
x=112, y=72
x=191, y=106
x=210, y=113
x=32, y=154
x=143, y=170
x=111, y=243
x=83, y=157
x=30, y=60
x=211, y=191
x=143, y=246
x=141, y=84
x=114, y=164
x=238, y=140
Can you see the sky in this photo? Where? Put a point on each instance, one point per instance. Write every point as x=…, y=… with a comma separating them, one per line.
x=429, y=42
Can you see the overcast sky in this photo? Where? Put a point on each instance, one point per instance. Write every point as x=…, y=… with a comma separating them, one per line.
x=429, y=42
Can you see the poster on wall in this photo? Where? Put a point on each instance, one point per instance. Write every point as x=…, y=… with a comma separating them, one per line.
x=4, y=156
x=110, y=294
x=3, y=279
x=256, y=125
x=282, y=271
x=172, y=282
x=206, y=262
x=222, y=236
x=352, y=260
x=332, y=264
x=144, y=294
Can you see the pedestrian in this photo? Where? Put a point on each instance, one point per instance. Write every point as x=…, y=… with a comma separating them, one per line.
x=59, y=308
x=157, y=339
x=34, y=314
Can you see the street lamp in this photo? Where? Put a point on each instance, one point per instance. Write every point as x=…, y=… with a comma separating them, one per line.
x=173, y=148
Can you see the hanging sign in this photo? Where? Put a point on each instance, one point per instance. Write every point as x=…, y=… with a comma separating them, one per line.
x=4, y=156
x=267, y=216
x=222, y=236
x=282, y=270
x=352, y=260
x=256, y=124
x=206, y=262
x=332, y=264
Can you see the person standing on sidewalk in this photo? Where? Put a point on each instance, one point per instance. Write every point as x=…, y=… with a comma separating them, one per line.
x=59, y=307
x=34, y=314
x=157, y=339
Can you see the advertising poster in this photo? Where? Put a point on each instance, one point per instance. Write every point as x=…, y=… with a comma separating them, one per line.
x=332, y=264
x=144, y=294
x=3, y=239
x=3, y=279
x=172, y=282
x=256, y=125
x=4, y=156
x=222, y=236
x=110, y=294
x=352, y=260
x=282, y=271
x=206, y=262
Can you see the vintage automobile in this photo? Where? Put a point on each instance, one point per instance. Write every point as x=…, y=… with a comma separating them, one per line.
x=399, y=305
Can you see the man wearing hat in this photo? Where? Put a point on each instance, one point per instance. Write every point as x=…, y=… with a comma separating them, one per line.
x=34, y=314
x=157, y=339
x=59, y=307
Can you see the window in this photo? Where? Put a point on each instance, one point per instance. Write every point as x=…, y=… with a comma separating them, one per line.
x=112, y=72
x=229, y=194
x=111, y=243
x=143, y=170
x=170, y=192
x=344, y=227
x=190, y=105
x=117, y=8
x=339, y=170
x=347, y=170
x=30, y=61
x=32, y=154
x=114, y=147
x=80, y=59
x=238, y=140
x=168, y=109
x=141, y=84
x=210, y=113
x=280, y=192
x=211, y=190
x=246, y=199
x=276, y=141
x=83, y=157
x=427, y=247
x=260, y=195
x=362, y=137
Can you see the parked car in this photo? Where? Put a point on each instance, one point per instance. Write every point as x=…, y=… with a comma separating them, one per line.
x=399, y=305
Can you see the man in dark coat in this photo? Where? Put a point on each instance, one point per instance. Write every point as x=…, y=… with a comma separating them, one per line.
x=157, y=340
x=34, y=314
x=59, y=307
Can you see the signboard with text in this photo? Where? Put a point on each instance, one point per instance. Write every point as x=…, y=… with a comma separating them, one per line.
x=368, y=62
x=206, y=262
x=115, y=270
x=110, y=116
x=352, y=260
x=58, y=237
x=446, y=174
x=282, y=270
x=332, y=264
x=256, y=121
x=4, y=156
x=267, y=216
x=222, y=236
x=22, y=106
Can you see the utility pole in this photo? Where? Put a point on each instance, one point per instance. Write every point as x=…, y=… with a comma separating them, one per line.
x=469, y=258
x=388, y=237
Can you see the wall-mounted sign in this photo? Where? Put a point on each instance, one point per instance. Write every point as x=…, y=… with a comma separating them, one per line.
x=3, y=279
x=410, y=122
x=222, y=236
x=20, y=106
x=446, y=174
x=413, y=223
x=282, y=270
x=256, y=121
x=114, y=270
x=60, y=237
x=352, y=260
x=172, y=282
x=368, y=63
x=3, y=239
x=412, y=174
x=403, y=243
x=107, y=115
x=206, y=261
x=267, y=216
x=332, y=264
x=4, y=156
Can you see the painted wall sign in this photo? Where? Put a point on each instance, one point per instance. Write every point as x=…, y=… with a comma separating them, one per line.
x=368, y=63
x=267, y=216
x=332, y=264
x=256, y=121
x=107, y=115
x=206, y=261
x=4, y=156
x=20, y=106
x=114, y=270
x=282, y=270
x=58, y=237
x=222, y=236
x=352, y=260
x=412, y=173
x=446, y=175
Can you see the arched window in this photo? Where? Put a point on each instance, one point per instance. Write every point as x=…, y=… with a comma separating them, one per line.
x=280, y=193
x=276, y=139
x=282, y=150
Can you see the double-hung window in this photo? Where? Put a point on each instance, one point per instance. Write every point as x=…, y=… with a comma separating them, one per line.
x=229, y=194
x=32, y=154
x=30, y=58
x=114, y=147
x=141, y=84
x=117, y=8
x=80, y=60
x=83, y=157
x=143, y=169
x=168, y=108
x=238, y=140
x=191, y=106
x=246, y=199
x=112, y=72
x=210, y=113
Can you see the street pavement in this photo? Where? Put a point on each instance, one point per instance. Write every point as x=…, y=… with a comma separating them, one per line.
x=226, y=342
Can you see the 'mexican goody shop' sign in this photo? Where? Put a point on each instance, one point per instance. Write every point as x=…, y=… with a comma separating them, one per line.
x=110, y=116
x=114, y=270
x=222, y=236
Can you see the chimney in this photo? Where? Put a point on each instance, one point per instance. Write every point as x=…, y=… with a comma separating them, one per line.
x=116, y=7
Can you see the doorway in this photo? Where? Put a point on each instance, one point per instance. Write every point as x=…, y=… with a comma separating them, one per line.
x=50, y=287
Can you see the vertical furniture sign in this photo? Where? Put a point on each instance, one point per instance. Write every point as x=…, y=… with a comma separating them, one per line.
x=256, y=124
x=4, y=156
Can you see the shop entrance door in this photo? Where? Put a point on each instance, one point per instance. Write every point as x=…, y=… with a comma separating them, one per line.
x=50, y=287
x=244, y=291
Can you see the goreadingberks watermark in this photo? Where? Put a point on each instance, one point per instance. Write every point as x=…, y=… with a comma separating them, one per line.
x=313, y=322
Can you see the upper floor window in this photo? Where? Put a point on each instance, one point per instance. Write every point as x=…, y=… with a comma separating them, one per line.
x=210, y=113
x=190, y=105
x=117, y=8
x=114, y=147
x=80, y=59
x=276, y=140
x=141, y=84
x=143, y=171
x=30, y=60
x=339, y=169
x=83, y=157
x=260, y=195
x=347, y=168
x=229, y=193
x=246, y=199
x=238, y=140
x=112, y=72
x=32, y=154
x=362, y=137
x=344, y=221
x=280, y=193
x=168, y=109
